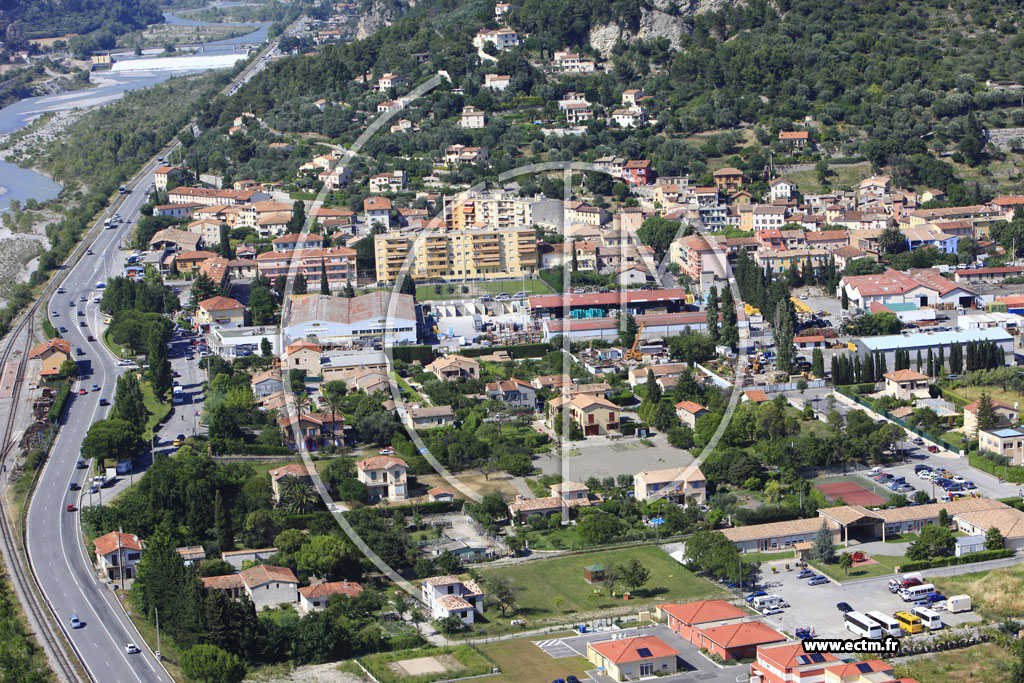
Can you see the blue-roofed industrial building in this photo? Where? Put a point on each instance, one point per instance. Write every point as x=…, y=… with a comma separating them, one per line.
x=923, y=341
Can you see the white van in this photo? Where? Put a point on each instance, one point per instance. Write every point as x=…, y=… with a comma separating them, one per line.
x=917, y=592
x=930, y=618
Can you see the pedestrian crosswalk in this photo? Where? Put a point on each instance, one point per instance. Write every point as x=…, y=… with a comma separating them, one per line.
x=556, y=648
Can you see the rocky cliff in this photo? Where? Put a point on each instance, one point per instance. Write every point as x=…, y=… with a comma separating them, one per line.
x=666, y=19
x=381, y=13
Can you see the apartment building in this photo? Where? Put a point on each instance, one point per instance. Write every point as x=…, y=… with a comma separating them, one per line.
x=453, y=255
x=495, y=210
x=696, y=258
x=340, y=263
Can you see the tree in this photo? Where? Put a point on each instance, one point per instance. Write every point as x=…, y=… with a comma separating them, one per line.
x=449, y=625
x=503, y=591
x=224, y=247
x=845, y=299
x=657, y=233
x=160, y=376
x=515, y=544
x=628, y=332
x=222, y=523
x=448, y=562
x=325, y=286
x=296, y=496
x=377, y=428
x=298, y=218
x=712, y=313
x=266, y=348
x=128, y=403
x=994, y=539
x=210, y=664
x=892, y=240
x=782, y=335
x=943, y=517
x=730, y=335
x=300, y=284
x=818, y=363
x=203, y=288
x=939, y=539
x=325, y=556
x=824, y=547
x=845, y=562
x=261, y=303
x=633, y=574
x=111, y=439
x=987, y=416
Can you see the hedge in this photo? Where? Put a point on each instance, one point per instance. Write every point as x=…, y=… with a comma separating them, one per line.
x=950, y=561
x=1013, y=473
x=517, y=351
x=410, y=354
x=434, y=508
x=59, y=402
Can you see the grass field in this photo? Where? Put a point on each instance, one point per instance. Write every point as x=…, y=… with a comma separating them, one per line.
x=475, y=481
x=157, y=411
x=475, y=289
x=461, y=661
x=842, y=175
x=884, y=565
x=540, y=582
x=997, y=594
x=522, y=662
x=986, y=662
x=996, y=393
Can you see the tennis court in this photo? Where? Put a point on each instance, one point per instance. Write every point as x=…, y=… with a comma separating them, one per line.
x=851, y=492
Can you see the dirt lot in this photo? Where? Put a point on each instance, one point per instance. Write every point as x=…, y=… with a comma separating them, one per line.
x=475, y=481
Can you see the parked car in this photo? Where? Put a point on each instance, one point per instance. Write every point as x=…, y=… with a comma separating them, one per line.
x=769, y=611
x=755, y=594
x=844, y=607
x=933, y=449
x=969, y=485
x=816, y=580
x=921, y=468
x=805, y=574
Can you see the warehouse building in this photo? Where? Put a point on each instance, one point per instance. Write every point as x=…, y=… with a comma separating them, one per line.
x=931, y=341
x=339, y=321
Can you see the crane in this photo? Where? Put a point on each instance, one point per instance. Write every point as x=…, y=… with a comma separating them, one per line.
x=633, y=353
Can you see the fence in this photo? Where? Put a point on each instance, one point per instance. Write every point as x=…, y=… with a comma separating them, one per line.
x=844, y=393
x=719, y=382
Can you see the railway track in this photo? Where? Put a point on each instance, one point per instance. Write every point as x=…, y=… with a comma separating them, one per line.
x=18, y=564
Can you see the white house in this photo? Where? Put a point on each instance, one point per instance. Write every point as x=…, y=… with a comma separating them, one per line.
x=384, y=477
x=497, y=82
x=117, y=552
x=781, y=189
x=502, y=38
x=315, y=598
x=378, y=210
x=448, y=595
x=515, y=393
x=269, y=586
x=472, y=117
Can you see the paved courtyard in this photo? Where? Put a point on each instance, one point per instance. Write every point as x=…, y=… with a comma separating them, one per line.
x=600, y=457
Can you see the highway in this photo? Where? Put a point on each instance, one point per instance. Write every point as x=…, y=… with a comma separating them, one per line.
x=64, y=572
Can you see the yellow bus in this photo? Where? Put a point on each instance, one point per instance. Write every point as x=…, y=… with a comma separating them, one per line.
x=910, y=623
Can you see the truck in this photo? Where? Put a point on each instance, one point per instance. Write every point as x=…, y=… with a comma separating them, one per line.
x=958, y=603
x=124, y=467
x=765, y=601
x=111, y=475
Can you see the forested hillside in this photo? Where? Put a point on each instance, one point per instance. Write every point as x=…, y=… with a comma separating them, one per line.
x=898, y=82
x=21, y=20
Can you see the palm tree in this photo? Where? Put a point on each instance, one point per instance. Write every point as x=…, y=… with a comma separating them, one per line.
x=892, y=240
x=334, y=399
x=303, y=404
x=296, y=496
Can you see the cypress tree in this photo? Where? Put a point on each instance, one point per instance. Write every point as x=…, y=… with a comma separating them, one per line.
x=919, y=360
x=858, y=373
x=931, y=364
x=869, y=368
x=883, y=369
x=325, y=287
x=942, y=358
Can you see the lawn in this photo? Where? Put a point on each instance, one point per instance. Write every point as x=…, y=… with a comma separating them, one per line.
x=542, y=581
x=523, y=662
x=997, y=593
x=461, y=661
x=770, y=557
x=971, y=394
x=986, y=662
x=476, y=289
x=842, y=175
x=263, y=468
x=158, y=411
x=883, y=566
x=117, y=349
x=411, y=393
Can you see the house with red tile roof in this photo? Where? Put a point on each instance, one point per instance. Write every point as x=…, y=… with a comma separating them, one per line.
x=384, y=477
x=686, y=618
x=736, y=640
x=294, y=469
x=440, y=494
x=633, y=658
x=755, y=395
x=689, y=411
x=906, y=384
x=315, y=598
x=118, y=552
x=446, y=596
x=52, y=353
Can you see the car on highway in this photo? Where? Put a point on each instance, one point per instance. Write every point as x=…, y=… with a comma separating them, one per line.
x=95, y=387
x=176, y=443
x=55, y=314
x=82, y=323
x=104, y=402
x=131, y=649
x=71, y=304
x=82, y=392
x=94, y=489
x=63, y=329
x=816, y=580
x=81, y=313
x=969, y=485
x=81, y=464
x=76, y=622
x=88, y=252
x=844, y=607
x=73, y=486
x=70, y=507
x=91, y=338
x=79, y=351
x=82, y=298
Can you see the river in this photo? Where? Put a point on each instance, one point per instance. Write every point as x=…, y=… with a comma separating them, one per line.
x=22, y=184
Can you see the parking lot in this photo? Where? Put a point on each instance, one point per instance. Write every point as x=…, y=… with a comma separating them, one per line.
x=815, y=606
x=988, y=485
x=693, y=666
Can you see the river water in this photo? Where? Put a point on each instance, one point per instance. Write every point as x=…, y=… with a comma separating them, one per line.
x=22, y=184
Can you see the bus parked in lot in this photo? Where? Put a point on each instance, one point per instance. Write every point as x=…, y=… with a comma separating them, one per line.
x=860, y=625
x=890, y=626
x=930, y=618
x=178, y=395
x=910, y=623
